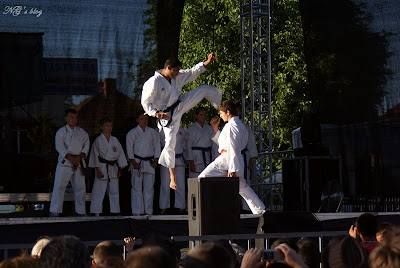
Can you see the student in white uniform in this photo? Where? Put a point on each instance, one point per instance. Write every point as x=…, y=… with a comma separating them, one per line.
x=180, y=163
x=231, y=141
x=108, y=158
x=143, y=150
x=72, y=145
x=161, y=97
x=200, y=145
x=250, y=153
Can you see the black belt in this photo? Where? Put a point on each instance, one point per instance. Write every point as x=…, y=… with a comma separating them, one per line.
x=150, y=158
x=167, y=110
x=108, y=162
x=245, y=162
x=181, y=155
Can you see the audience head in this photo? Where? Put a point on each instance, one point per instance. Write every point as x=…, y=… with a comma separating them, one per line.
x=166, y=243
x=38, y=247
x=289, y=241
x=65, y=252
x=104, y=251
x=348, y=252
x=387, y=254
x=383, y=228
x=20, y=262
x=309, y=252
x=366, y=226
x=208, y=255
x=149, y=257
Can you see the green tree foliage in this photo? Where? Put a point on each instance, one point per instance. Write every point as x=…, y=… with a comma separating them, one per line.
x=290, y=95
x=212, y=26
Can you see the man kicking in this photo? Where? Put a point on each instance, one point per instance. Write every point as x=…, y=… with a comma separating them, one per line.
x=230, y=163
x=161, y=98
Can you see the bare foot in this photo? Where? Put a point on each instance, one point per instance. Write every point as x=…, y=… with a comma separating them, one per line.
x=172, y=176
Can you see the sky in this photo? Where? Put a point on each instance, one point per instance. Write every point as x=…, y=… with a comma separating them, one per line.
x=109, y=31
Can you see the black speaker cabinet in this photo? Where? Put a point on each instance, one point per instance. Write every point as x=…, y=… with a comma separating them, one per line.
x=304, y=178
x=213, y=206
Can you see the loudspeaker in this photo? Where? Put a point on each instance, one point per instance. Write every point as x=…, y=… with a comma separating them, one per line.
x=213, y=206
x=288, y=221
x=304, y=178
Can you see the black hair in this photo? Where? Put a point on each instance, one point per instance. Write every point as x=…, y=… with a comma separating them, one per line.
x=172, y=62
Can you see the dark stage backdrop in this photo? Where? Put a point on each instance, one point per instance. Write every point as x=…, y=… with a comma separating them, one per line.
x=109, y=31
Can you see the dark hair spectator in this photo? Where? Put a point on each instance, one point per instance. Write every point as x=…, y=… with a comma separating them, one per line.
x=149, y=257
x=309, y=252
x=348, y=252
x=289, y=241
x=20, y=262
x=103, y=251
x=166, y=243
x=65, y=252
x=208, y=255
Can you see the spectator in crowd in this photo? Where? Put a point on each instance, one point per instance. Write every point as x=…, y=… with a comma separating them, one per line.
x=365, y=228
x=129, y=244
x=104, y=251
x=253, y=258
x=288, y=241
x=348, y=252
x=309, y=252
x=65, y=252
x=149, y=257
x=166, y=243
x=38, y=247
x=387, y=254
x=208, y=255
x=383, y=228
x=20, y=262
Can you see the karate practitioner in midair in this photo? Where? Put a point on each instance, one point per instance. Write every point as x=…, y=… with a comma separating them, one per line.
x=161, y=97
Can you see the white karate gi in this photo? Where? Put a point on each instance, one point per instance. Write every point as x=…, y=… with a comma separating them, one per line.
x=158, y=94
x=200, y=147
x=142, y=144
x=232, y=140
x=69, y=141
x=110, y=151
x=249, y=152
x=180, y=200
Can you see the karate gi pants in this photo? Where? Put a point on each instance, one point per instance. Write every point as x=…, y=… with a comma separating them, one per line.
x=63, y=175
x=188, y=101
x=218, y=169
x=100, y=186
x=180, y=200
x=142, y=192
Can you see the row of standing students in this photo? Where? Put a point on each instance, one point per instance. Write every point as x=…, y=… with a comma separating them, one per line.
x=107, y=157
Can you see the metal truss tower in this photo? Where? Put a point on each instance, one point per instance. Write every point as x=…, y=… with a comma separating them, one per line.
x=255, y=23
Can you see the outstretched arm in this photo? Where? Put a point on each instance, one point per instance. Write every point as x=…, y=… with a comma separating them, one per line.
x=211, y=58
